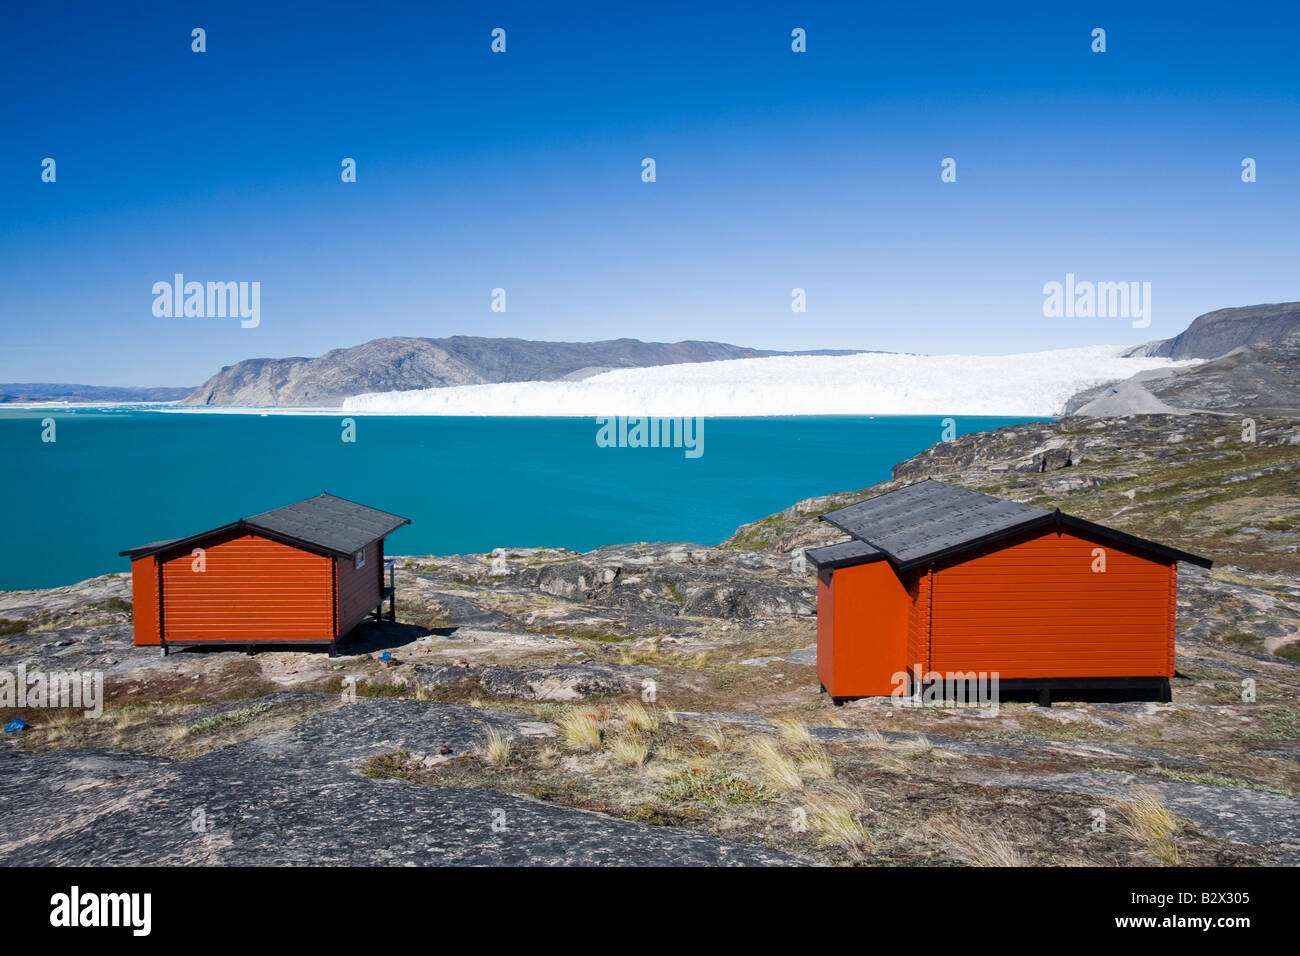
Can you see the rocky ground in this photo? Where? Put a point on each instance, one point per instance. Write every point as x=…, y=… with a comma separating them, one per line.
x=1250, y=380
x=657, y=703
x=1250, y=365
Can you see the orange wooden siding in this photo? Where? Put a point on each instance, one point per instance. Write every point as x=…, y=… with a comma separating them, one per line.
x=826, y=630
x=252, y=589
x=866, y=633
x=1037, y=608
x=918, y=621
x=144, y=600
x=359, y=589
x=1173, y=616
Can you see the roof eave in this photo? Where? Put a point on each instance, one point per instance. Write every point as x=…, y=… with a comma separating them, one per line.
x=246, y=524
x=1044, y=519
x=145, y=551
x=1133, y=541
x=1058, y=519
x=836, y=563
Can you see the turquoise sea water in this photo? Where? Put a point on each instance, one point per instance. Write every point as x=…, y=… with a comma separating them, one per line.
x=118, y=477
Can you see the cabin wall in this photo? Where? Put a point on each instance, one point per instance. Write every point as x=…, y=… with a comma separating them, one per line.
x=1036, y=608
x=252, y=589
x=359, y=589
x=144, y=600
x=918, y=620
x=1173, y=619
x=826, y=630
x=870, y=607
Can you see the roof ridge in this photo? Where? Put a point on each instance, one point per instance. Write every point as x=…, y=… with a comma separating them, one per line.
x=339, y=526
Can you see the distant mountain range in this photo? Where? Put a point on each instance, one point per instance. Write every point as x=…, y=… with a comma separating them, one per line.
x=12, y=392
x=401, y=364
x=1252, y=353
x=1218, y=333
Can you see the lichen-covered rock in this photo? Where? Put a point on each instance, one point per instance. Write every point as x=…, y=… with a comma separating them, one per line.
x=299, y=797
x=575, y=580
x=745, y=601
x=429, y=676
x=562, y=682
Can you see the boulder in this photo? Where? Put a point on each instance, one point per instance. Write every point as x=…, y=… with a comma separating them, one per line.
x=742, y=601
x=575, y=580
x=428, y=676
x=561, y=682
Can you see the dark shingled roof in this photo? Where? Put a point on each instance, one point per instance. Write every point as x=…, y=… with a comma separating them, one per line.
x=331, y=524
x=929, y=520
x=325, y=523
x=842, y=554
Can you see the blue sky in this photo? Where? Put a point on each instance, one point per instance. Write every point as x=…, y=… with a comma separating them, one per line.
x=522, y=171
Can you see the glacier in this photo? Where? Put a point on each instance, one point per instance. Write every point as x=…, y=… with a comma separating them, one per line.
x=1035, y=384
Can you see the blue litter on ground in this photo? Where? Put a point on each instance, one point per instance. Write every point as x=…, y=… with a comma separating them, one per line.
x=386, y=656
x=15, y=725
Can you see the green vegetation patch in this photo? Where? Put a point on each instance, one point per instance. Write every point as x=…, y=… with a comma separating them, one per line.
x=230, y=718
x=1216, y=780
x=1277, y=725
x=711, y=788
x=389, y=766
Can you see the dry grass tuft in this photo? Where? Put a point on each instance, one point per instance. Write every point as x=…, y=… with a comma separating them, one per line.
x=580, y=729
x=834, y=815
x=792, y=730
x=973, y=843
x=1150, y=822
x=668, y=753
x=629, y=750
x=63, y=723
x=715, y=736
x=874, y=738
x=496, y=748
x=814, y=762
x=637, y=716
x=776, y=766
x=918, y=746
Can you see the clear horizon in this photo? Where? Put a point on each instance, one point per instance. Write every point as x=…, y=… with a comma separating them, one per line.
x=522, y=171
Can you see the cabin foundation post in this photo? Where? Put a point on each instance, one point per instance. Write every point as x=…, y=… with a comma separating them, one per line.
x=1045, y=697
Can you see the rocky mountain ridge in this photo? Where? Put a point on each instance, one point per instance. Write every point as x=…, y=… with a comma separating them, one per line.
x=20, y=392
x=1252, y=367
x=404, y=363
x=1219, y=332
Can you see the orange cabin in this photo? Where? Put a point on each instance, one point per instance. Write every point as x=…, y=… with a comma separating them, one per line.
x=307, y=573
x=938, y=581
